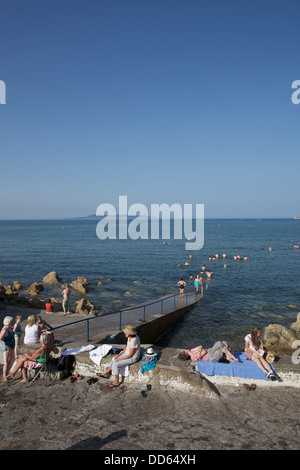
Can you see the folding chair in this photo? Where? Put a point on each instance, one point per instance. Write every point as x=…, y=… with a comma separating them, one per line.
x=42, y=368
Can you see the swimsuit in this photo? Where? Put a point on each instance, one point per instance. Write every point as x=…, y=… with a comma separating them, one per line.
x=18, y=332
x=9, y=341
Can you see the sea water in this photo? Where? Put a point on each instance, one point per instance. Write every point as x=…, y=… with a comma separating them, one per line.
x=265, y=289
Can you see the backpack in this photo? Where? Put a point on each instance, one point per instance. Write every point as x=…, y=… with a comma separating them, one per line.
x=66, y=362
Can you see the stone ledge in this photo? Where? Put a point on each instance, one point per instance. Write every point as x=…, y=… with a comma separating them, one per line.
x=170, y=372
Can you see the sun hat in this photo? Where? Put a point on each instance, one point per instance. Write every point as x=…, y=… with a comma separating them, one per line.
x=130, y=330
x=150, y=352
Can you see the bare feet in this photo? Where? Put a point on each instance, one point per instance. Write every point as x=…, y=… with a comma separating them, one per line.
x=232, y=359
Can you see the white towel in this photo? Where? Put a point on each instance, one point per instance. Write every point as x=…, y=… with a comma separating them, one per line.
x=77, y=350
x=97, y=354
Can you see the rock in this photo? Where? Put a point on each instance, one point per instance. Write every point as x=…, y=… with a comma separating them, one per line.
x=29, y=302
x=278, y=339
x=296, y=325
x=2, y=289
x=55, y=300
x=51, y=278
x=17, y=286
x=8, y=290
x=128, y=293
x=85, y=307
x=35, y=302
x=35, y=288
x=80, y=285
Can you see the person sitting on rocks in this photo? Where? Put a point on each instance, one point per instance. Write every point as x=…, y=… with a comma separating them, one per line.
x=32, y=361
x=32, y=331
x=220, y=351
x=128, y=356
x=255, y=351
x=43, y=324
x=49, y=307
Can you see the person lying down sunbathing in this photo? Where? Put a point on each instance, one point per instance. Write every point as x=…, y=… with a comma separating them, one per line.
x=220, y=351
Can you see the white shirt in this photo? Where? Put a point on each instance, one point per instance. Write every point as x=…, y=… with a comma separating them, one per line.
x=136, y=344
x=31, y=334
x=249, y=340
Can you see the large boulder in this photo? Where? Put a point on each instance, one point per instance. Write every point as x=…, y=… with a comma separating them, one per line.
x=85, y=307
x=51, y=278
x=279, y=339
x=17, y=285
x=35, y=288
x=9, y=290
x=80, y=285
x=29, y=302
x=296, y=325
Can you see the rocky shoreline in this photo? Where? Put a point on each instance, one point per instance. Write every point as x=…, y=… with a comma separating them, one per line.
x=17, y=294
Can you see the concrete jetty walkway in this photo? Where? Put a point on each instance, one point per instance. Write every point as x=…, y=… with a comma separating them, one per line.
x=152, y=320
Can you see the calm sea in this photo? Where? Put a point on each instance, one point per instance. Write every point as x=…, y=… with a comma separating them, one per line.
x=263, y=290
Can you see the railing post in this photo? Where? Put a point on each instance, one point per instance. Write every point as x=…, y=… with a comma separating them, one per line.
x=144, y=319
x=161, y=304
x=120, y=322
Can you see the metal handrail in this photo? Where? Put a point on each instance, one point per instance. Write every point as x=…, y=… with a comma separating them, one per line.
x=87, y=320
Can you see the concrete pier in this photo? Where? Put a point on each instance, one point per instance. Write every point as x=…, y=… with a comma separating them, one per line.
x=152, y=321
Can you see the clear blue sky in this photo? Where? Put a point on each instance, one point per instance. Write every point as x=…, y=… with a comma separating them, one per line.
x=164, y=101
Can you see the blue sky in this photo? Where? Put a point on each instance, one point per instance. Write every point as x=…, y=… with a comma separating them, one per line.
x=164, y=101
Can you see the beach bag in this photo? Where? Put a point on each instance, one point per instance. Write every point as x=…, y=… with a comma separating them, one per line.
x=270, y=357
x=66, y=363
x=50, y=333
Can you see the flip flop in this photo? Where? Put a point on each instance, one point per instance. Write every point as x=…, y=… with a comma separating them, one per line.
x=102, y=375
x=113, y=385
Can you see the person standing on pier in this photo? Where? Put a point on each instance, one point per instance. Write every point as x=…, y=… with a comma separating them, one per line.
x=66, y=298
x=181, y=285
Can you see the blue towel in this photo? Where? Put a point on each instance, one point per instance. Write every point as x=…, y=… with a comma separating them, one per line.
x=148, y=366
x=242, y=368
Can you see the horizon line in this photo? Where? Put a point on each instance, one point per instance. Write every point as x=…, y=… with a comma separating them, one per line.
x=95, y=217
